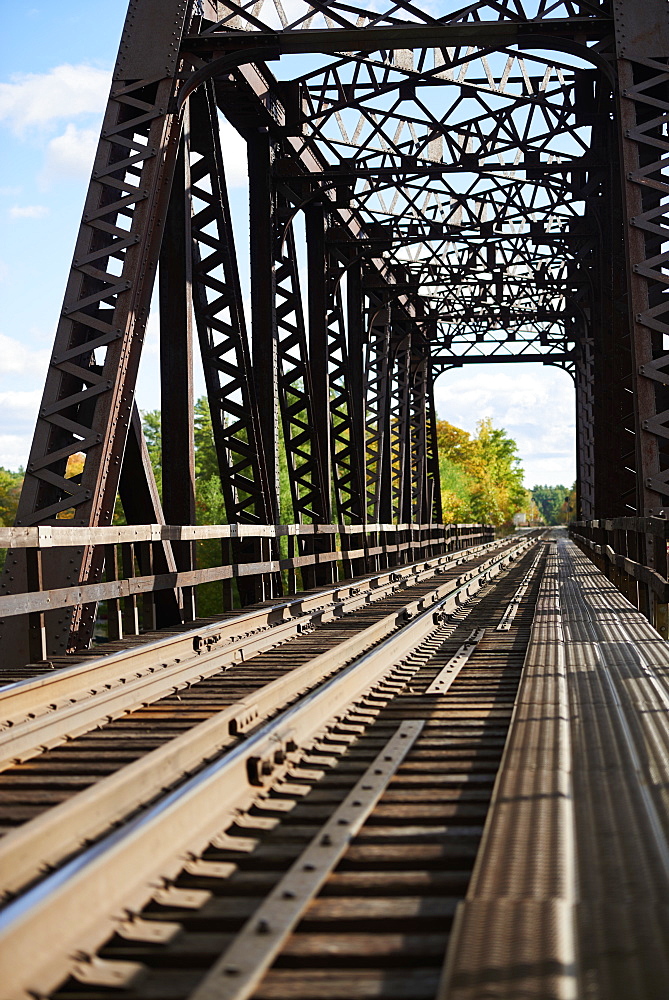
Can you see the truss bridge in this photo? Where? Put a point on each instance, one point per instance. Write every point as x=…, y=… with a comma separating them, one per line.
x=400, y=759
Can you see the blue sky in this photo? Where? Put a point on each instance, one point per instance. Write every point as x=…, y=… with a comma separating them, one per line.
x=55, y=65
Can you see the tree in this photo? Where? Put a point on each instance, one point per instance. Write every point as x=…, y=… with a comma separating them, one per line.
x=481, y=476
x=568, y=508
x=549, y=500
x=153, y=437
x=10, y=491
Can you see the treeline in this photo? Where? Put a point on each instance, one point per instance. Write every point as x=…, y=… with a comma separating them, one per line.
x=481, y=477
x=10, y=491
x=556, y=504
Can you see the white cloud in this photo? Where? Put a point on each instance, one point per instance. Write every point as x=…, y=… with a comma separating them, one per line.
x=19, y=410
x=533, y=403
x=42, y=98
x=20, y=359
x=14, y=450
x=70, y=154
x=28, y=211
x=22, y=370
x=21, y=405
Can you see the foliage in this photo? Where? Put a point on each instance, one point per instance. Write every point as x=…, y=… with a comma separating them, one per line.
x=10, y=491
x=568, y=510
x=551, y=500
x=153, y=438
x=481, y=477
x=73, y=470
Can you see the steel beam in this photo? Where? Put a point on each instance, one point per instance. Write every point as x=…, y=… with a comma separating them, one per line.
x=176, y=369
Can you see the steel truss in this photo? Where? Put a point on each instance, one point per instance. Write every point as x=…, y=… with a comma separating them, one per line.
x=475, y=184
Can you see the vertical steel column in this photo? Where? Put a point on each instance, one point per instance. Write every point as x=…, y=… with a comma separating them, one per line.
x=231, y=387
x=219, y=313
x=317, y=296
x=435, y=512
x=263, y=305
x=585, y=453
x=613, y=399
x=305, y=476
x=318, y=344
x=400, y=432
x=377, y=419
x=355, y=316
x=642, y=31
x=418, y=396
x=175, y=282
x=347, y=480
x=356, y=356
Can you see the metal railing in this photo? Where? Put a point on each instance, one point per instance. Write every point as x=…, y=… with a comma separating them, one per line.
x=256, y=562
x=632, y=552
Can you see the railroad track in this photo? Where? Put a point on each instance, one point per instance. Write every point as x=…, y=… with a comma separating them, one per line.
x=157, y=744
x=419, y=676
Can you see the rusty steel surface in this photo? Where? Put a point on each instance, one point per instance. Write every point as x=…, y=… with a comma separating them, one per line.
x=428, y=188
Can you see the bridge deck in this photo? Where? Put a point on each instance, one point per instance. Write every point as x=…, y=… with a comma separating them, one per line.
x=569, y=895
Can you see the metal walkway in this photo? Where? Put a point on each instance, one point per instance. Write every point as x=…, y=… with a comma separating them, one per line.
x=569, y=894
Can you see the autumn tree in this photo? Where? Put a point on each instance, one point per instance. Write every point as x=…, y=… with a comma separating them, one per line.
x=481, y=476
x=10, y=491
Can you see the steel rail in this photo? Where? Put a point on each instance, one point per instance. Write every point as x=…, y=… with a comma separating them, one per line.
x=44, y=841
x=75, y=908
x=41, y=712
x=514, y=603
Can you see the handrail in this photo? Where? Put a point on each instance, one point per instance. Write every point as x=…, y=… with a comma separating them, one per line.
x=632, y=552
x=51, y=536
x=254, y=556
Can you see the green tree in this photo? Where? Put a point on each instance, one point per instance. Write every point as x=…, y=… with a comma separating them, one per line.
x=153, y=438
x=549, y=500
x=10, y=491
